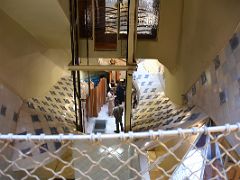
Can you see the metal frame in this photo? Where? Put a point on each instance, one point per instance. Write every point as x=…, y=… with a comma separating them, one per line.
x=131, y=50
x=131, y=67
x=73, y=4
x=75, y=67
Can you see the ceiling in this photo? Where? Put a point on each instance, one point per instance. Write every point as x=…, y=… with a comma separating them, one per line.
x=44, y=19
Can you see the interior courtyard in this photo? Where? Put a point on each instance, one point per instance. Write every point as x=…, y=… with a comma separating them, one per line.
x=120, y=89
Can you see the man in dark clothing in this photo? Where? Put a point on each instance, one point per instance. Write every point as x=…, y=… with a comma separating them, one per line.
x=120, y=93
x=118, y=113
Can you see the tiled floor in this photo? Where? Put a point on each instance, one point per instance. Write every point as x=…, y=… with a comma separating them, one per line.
x=103, y=115
x=110, y=152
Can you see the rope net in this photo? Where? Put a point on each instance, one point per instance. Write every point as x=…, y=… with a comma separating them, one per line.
x=196, y=153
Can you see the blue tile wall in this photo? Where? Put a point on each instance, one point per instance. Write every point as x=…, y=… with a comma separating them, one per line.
x=203, y=78
x=43, y=148
x=220, y=97
x=234, y=41
x=3, y=110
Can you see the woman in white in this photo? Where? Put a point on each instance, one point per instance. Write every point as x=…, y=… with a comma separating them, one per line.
x=111, y=99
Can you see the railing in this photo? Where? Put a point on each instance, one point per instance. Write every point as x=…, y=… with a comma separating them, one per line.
x=196, y=153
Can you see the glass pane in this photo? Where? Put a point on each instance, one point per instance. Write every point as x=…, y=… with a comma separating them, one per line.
x=148, y=12
x=85, y=18
x=105, y=25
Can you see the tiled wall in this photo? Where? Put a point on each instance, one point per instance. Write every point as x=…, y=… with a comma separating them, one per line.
x=217, y=91
x=155, y=110
x=9, y=110
x=52, y=113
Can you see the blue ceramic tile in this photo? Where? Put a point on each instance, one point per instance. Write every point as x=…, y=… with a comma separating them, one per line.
x=26, y=150
x=63, y=108
x=45, y=103
x=56, y=87
x=234, y=41
x=216, y=62
x=38, y=131
x=66, y=101
x=3, y=110
x=142, y=84
x=57, y=100
x=149, y=97
x=65, y=88
x=57, y=145
x=61, y=94
x=41, y=108
x=53, y=130
x=15, y=117
x=30, y=105
x=150, y=83
x=23, y=133
x=52, y=92
x=48, y=98
x=52, y=111
x=202, y=141
x=193, y=116
x=150, y=110
x=194, y=90
x=203, y=78
x=43, y=148
x=222, y=97
x=54, y=106
x=153, y=89
x=149, y=103
x=143, y=110
x=146, y=76
x=70, y=95
x=35, y=118
x=35, y=100
x=71, y=109
x=146, y=90
x=66, y=129
x=48, y=118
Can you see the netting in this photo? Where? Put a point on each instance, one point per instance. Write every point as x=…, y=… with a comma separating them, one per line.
x=196, y=153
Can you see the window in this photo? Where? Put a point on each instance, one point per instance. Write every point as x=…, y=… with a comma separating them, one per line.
x=106, y=20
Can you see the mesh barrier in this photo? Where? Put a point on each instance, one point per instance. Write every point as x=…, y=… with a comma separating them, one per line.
x=196, y=153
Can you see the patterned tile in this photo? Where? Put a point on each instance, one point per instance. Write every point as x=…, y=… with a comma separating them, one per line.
x=234, y=41
x=35, y=118
x=222, y=97
x=217, y=62
x=203, y=78
x=3, y=110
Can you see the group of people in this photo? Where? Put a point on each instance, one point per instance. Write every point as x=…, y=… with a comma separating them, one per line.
x=115, y=104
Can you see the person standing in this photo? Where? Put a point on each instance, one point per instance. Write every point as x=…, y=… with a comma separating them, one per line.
x=118, y=113
x=111, y=98
x=120, y=92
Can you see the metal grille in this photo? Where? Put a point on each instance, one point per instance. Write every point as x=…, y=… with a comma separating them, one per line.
x=196, y=153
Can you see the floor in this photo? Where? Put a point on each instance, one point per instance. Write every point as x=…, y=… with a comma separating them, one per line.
x=103, y=115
